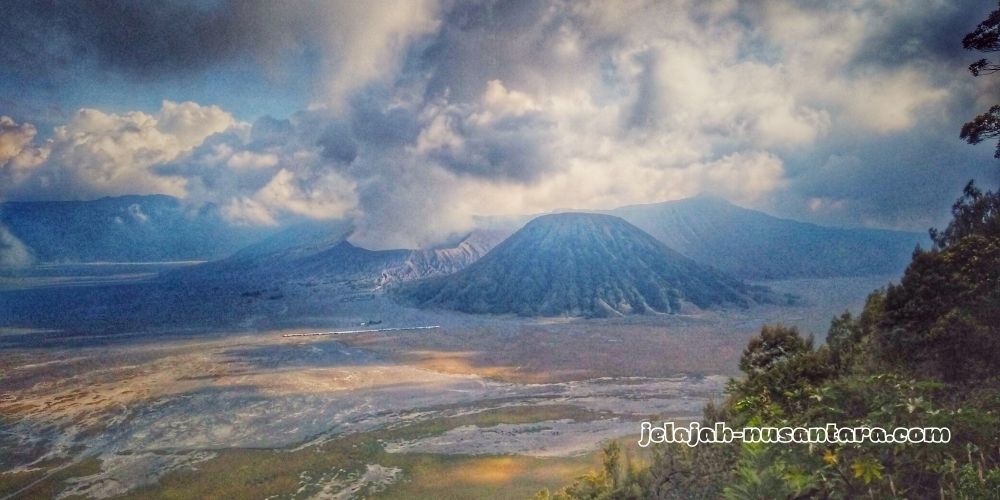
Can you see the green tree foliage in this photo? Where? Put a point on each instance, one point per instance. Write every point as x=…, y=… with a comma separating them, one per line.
x=974, y=213
x=780, y=364
x=775, y=345
x=985, y=38
x=943, y=319
x=923, y=353
x=983, y=127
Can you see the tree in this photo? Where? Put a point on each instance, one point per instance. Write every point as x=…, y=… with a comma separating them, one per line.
x=974, y=213
x=985, y=38
x=775, y=344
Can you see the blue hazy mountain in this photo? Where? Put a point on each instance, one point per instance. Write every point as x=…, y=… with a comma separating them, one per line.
x=319, y=254
x=754, y=245
x=581, y=264
x=122, y=229
x=745, y=243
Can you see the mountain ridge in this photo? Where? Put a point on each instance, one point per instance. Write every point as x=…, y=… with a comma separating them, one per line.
x=582, y=264
x=134, y=228
x=755, y=245
x=332, y=259
x=746, y=243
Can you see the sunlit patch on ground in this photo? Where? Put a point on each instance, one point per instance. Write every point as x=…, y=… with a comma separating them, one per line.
x=484, y=407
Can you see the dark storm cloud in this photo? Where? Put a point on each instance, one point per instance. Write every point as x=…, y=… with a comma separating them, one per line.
x=510, y=149
x=337, y=143
x=270, y=131
x=906, y=181
x=643, y=111
x=374, y=123
x=925, y=32
x=145, y=39
x=489, y=40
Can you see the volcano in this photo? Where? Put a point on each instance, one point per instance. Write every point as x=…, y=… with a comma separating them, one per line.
x=581, y=264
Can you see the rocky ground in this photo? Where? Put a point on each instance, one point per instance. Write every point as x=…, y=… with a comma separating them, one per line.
x=379, y=413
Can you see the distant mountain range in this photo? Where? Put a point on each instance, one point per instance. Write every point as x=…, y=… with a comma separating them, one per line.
x=753, y=245
x=320, y=255
x=121, y=229
x=582, y=265
x=744, y=243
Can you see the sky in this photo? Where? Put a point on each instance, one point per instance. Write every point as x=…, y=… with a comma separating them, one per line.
x=413, y=116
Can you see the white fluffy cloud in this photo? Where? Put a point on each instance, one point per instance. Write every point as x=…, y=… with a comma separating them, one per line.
x=14, y=138
x=106, y=154
x=18, y=156
x=820, y=51
x=274, y=169
x=101, y=154
x=325, y=197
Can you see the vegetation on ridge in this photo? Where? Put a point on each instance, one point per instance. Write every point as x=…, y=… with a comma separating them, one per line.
x=923, y=353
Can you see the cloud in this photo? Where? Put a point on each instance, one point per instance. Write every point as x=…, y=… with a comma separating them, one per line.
x=658, y=100
x=104, y=154
x=250, y=160
x=145, y=39
x=427, y=113
x=327, y=196
x=273, y=170
x=353, y=43
x=153, y=40
x=13, y=253
x=828, y=56
x=338, y=143
x=136, y=213
x=368, y=41
x=503, y=136
x=18, y=155
x=14, y=138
